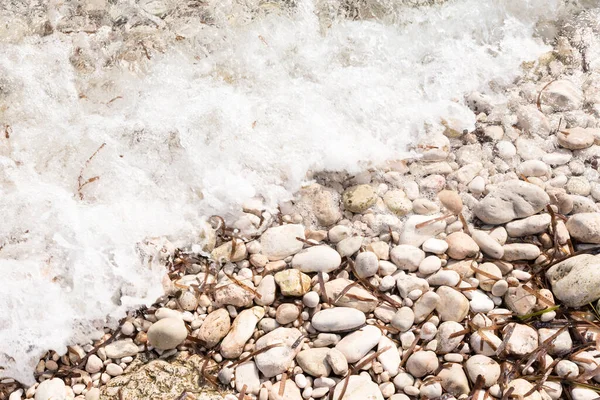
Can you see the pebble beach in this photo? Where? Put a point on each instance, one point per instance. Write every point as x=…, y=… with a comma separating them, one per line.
x=469, y=270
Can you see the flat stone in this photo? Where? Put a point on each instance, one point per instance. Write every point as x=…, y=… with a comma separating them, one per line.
x=366, y=264
x=337, y=361
x=511, y=200
x=519, y=300
x=356, y=297
x=461, y=246
x=575, y=138
x=317, y=259
x=487, y=244
x=422, y=363
x=521, y=387
x=277, y=360
x=407, y=257
x=323, y=202
x=267, y=290
x=359, y=198
x=403, y=319
x=292, y=282
x=215, y=327
x=585, y=227
x=520, y=251
x=414, y=236
x=529, y=226
x=357, y=344
x=454, y=380
x=576, y=281
x=51, y=389
x=289, y=392
x=523, y=340
x=453, y=305
x=280, y=242
x=287, y=313
x=121, y=348
x=562, y=95
x=359, y=388
x=229, y=293
x=490, y=270
x=389, y=359
x=338, y=319
x=486, y=367
x=241, y=330
x=167, y=333
x=561, y=344
x=348, y=246
x=425, y=305
x=397, y=202
x=445, y=343
x=313, y=361
x=247, y=374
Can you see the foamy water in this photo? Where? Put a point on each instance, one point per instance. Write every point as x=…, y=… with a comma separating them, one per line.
x=238, y=108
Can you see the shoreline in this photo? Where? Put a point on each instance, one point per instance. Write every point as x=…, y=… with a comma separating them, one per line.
x=455, y=244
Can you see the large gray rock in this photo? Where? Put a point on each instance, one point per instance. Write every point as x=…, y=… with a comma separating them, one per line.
x=576, y=281
x=511, y=200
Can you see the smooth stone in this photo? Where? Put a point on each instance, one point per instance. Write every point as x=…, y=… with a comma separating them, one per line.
x=529, y=226
x=500, y=288
x=324, y=203
x=487, y=244
x=521, y=387
x=359, y=198
x=241, y=330
x=453, y=305
x=446, y=344
x=486, y=367
x=511, y=200
x=94, y=364
x=411, y=235
x=581, y=393
x=454, y=380
x=290, y=391
x=317, y=259
x=403, y=319
x=576, y=281
x=267, y=291
x=533, y=168
x=562, y=95
x=224, y=252
x=247, y=374
x=566, y=368
x=292, y=282
x=287, y=313
x=349, y=246
x=435, y=246
x=338, y=319
x=461, y=246
x=490, y=269
x=575, y=138
x=585, y=227
x=337, y=361
x=422, y=363
x=167, y=333
x=389, y=359
x=444, y=278
x=533, y=121
x=228, y=293
x=366, y=264
x=277, y=359
x=311, y=299
x=520, y=251
x=430, y=265
x=51, y=389
x=280, y=242
x=214, y=327
x=357, y=344
x=425, y=305
x=519, y=300
x=121, y=348
x=523, y=340
x=397, y=202
x=339, y=233
x=359, y=388
x=561, y=345
x=356, y=297
x=481, y=346
x=313, y=361
x=407, y=257
x=425, y=207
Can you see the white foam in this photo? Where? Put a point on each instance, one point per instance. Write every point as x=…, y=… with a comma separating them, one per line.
x=239, y=110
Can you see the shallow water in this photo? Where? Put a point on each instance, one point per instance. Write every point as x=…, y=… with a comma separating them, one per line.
x=195, y=111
